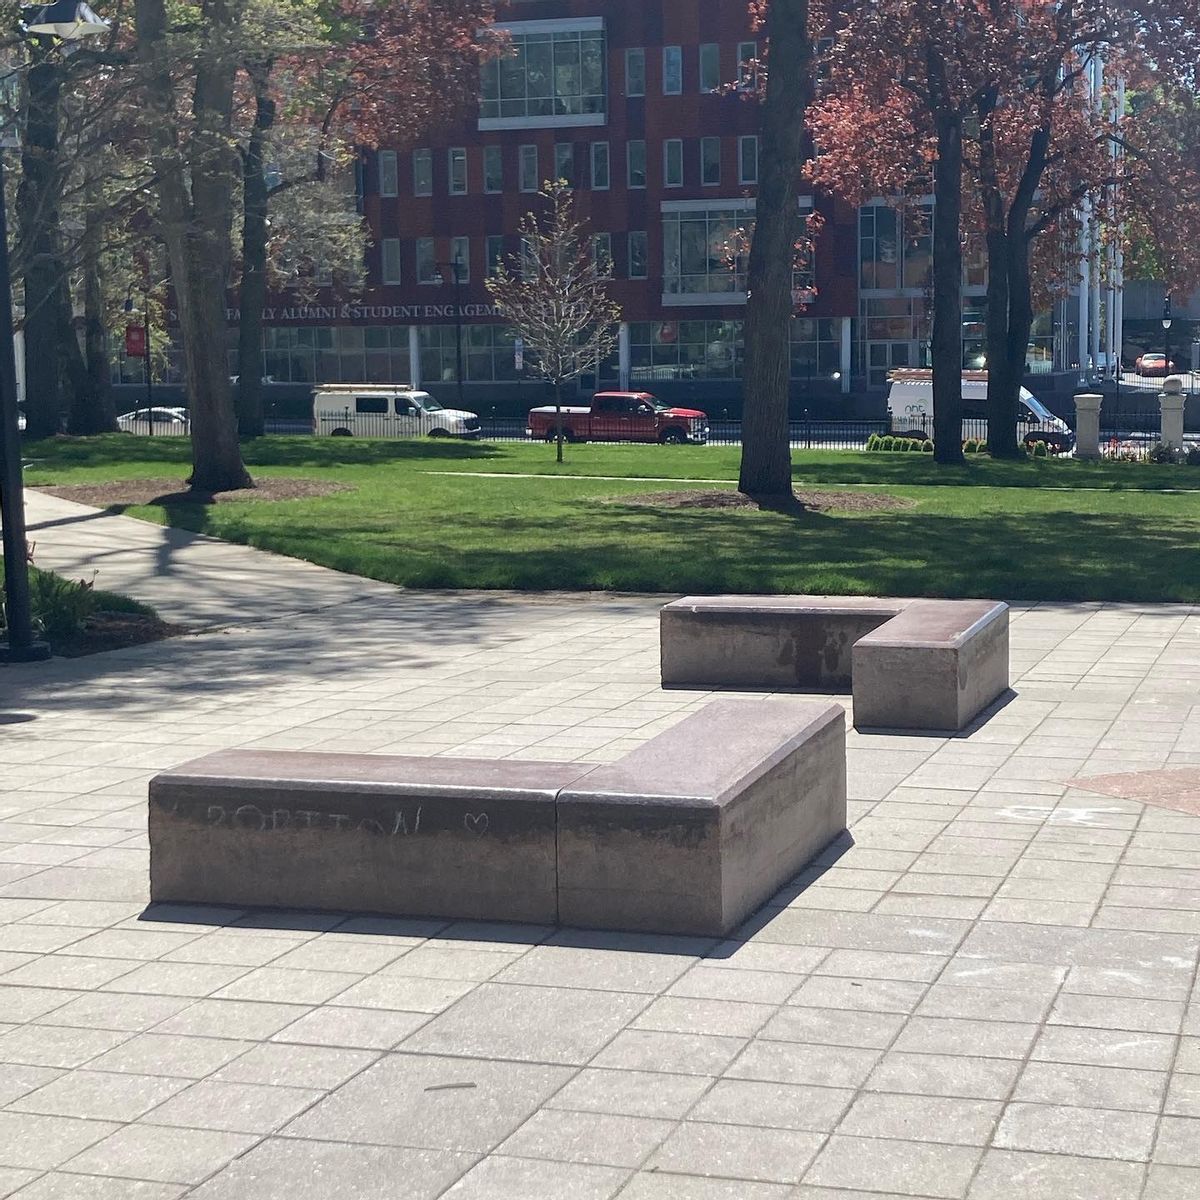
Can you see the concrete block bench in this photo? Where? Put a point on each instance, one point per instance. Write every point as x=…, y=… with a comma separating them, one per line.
x=911, y=664
x=692, y=831
x=687, y=834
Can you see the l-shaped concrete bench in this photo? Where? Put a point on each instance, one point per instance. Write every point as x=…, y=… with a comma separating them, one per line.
x=911, y=664
x=689, y=833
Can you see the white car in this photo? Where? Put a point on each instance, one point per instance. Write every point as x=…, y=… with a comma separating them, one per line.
x=167, y=421
x=372, y=410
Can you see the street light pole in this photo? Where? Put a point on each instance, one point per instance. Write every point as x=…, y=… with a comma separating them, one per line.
x=456, y=267
x=22, y=645
x=458, y=328
x=1166, y=324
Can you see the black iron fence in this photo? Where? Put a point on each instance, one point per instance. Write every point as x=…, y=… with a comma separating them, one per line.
x=1124, y=432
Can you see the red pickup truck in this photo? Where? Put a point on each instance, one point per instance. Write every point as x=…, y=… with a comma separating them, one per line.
x=621, y=417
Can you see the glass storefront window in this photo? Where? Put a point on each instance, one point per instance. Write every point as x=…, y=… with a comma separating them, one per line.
x=546, y=75
x=706, y=251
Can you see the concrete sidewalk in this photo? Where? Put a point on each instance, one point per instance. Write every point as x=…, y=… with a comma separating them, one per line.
x=990, y=991
x=190, y=579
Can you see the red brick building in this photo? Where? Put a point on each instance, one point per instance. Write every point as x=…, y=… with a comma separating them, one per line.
x=631, y=100
x=637, y=103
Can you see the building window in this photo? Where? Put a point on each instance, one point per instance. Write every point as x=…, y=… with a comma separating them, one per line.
x=389, y=181
x=710, y=67
x=494, y=249
x=895, y=248
x=706, y=249
x=669, y=350
x=747, y=64
x=748, y=159
x=529, y=169
x=546, y=76
x=487, y=353
x=672, y=70
x=493, y=169
x=635, y=159
x=389, y=260
x=638, y=255
x=816, y=349
x=635, y=72
x=673, y=162
x=460, y=253
x=600, y=174
x=602, y=251
x=347, y=354
x=422, y=172
x=710, y=160
x=564, y=162
x=427, y=269
x=457, y=158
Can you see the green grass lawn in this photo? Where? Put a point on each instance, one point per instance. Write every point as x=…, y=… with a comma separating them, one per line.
x=437, y=515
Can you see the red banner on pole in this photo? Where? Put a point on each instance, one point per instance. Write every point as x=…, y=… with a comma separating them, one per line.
x=135, y=341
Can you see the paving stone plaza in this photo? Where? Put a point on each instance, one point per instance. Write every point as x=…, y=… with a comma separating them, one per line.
x=987, y=991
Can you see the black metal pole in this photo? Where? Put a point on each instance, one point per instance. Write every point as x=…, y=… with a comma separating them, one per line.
x=149, y=375
x=22, y=645
x=458, y=331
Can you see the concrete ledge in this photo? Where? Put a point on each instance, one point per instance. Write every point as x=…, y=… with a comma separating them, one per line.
x=694, y=830
x=935, y=666
x=766, y=641
x=911, y=664
x=445, y=837
x=687, y=834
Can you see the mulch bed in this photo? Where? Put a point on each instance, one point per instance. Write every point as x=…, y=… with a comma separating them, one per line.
x=125, y=493
x=114, y=631
x=802, y=501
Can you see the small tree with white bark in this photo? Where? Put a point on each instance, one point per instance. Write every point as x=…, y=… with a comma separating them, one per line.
x=555, y=296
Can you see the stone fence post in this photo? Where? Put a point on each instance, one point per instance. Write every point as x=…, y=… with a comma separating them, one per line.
x=1170, y=403
x=1087, y=425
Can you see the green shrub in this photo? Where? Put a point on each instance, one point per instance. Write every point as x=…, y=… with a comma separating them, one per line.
x=1160, y=453
x=873, y=442
x=60, y=606
x=1040, y=450
x=887, y=443
x=1193, y=456
x=926, y=447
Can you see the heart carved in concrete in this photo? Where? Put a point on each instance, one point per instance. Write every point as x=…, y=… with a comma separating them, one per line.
x=476, y=823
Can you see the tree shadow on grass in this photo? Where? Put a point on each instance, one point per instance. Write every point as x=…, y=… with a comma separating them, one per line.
x=1066, y=556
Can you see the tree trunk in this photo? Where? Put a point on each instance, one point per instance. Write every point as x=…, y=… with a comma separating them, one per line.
x=195, y=168
x=253, y=295
x=1001, y=397
x=1009, y=324
x=946, y=338
x=766, y=466
x=91, y=402
x=91, y=409
x=38, y=197
x=1020, y=323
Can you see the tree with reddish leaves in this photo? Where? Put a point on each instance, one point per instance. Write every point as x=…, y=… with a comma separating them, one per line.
x=379, y=73
x=1040, y=147
x=903, y=87
x=216, y=76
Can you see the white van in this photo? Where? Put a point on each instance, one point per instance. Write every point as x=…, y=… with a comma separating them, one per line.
x=381, y=410
x=910, y=410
